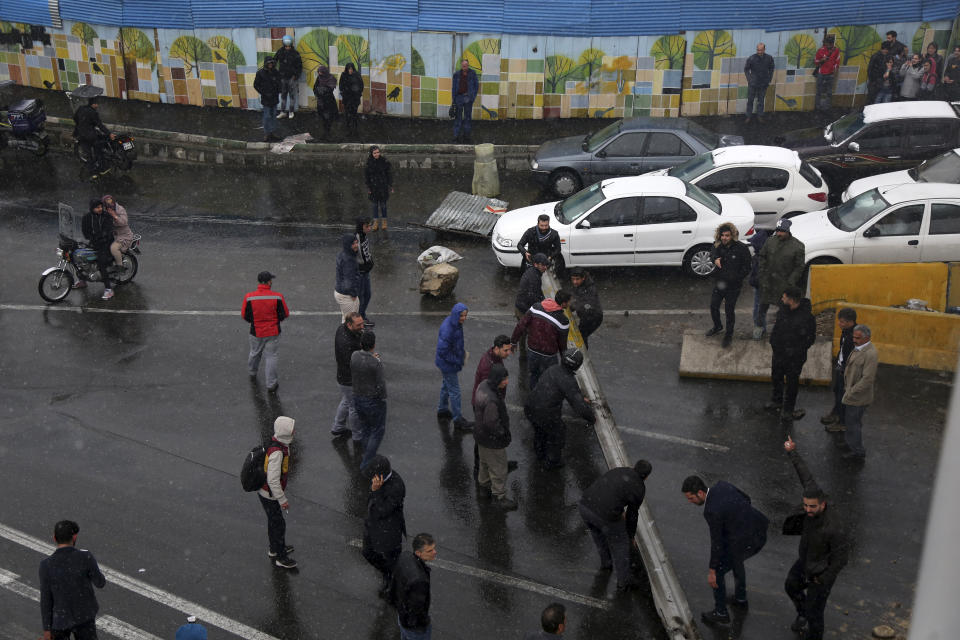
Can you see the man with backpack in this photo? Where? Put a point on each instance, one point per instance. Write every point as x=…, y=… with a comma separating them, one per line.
x=276, y=466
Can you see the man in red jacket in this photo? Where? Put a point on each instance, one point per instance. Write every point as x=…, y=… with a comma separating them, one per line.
x=546, y=326
x=264, y=309
x=826, y=62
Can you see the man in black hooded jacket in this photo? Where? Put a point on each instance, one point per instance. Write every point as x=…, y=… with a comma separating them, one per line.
x=544, y=408
x=585, y=303
x=732, y=263
x=492, y=433
x=97, y=228
x=793, y=334
x=91, y=133
x=384, y=527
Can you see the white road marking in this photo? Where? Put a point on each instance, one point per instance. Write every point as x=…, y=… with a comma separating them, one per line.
x=675, y=439
x=148, y=591
x=107, y=624
x=509, y=581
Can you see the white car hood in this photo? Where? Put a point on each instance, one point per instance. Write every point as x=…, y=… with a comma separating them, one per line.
x=736, y=209
x=871, y=182
x=815, y=231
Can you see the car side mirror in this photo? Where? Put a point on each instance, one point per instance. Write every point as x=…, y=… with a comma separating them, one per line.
x=872, y=232
x=601, y=154
x=854, y=146
x=584, y=225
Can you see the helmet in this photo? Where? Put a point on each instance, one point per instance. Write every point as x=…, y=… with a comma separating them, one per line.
x=572, y=359
x=287, y=40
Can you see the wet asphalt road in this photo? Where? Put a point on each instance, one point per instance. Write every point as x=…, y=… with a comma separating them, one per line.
x=135, y=423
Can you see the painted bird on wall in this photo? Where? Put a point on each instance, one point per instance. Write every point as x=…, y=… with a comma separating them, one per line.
x=218, y=57
x=48, y=84
x=97, y=68
x=225, y=103
x=394, y=95
x=493, y=115
x=599, y=113
x=790, y=102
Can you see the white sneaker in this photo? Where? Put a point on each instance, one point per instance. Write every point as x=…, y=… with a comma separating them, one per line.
x=281, y=115
x=290, y=115
x=107, y=294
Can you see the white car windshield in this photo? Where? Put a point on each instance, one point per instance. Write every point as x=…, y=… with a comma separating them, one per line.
x=943, y=168
x=693, y=168
x=705, y=198
x=566, y=211
x=851, y=215
x=595, y=140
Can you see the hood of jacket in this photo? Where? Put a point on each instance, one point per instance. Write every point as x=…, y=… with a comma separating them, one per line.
x=497, y=374
x=347, y=67
x=346, y=243
x=733, y=231
x=325, y=78
x=550, y=305
x=378, y=466
x=95, y=202
x=283, y=429
x=454, y=317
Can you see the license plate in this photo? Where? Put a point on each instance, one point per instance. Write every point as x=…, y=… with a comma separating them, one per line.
x=127, y=146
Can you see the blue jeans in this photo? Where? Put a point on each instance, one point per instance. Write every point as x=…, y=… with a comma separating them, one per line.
x=755, y=93
x=463, y=120
x=378, y=209
x=346, y=417
x=537, y=363
x=364, y=293
x=260, y=347
x=450, y=394
x=410, y=634
x=884, y=95
x=853, y=419
x=372, y=417
x=269, y=119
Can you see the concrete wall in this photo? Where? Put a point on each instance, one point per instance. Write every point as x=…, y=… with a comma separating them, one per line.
x=880, y=284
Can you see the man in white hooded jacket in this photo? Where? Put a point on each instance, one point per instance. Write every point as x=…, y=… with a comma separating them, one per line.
x=272, y=497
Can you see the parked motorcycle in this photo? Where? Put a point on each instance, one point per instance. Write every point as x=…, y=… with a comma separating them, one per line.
x=21, y=125
x=118, y=153
x=79, y=264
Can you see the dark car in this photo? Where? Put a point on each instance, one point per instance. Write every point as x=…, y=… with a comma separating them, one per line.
x=883, y=137
x=627, y=147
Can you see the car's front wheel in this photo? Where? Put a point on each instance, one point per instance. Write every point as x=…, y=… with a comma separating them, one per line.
x=564, y=182
x=697, y=261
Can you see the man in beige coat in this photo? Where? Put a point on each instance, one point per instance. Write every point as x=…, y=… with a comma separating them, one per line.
x=859, y=378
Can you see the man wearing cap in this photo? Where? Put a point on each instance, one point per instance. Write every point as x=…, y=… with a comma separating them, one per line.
x=781, y=265
x=540, y=239
x=68, y=604
x=289, y=66
x=544, y=409
x=264, y=309
x=267, y=83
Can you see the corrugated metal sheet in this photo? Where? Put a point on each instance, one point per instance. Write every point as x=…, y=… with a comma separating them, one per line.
x=939, y=9
x=26, y=11
x=475, y=17
x=398, y=15
x=92, y=11
x=465, y=213
x=555, y=18
x=169, y=14
x=297, y=13
x=227, y=13
x=612, y=18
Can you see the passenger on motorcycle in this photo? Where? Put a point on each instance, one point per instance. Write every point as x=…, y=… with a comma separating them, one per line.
x=91, y=133
x=98, y=230
x=122, y=236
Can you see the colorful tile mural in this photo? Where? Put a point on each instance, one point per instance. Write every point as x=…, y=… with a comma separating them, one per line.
x=409, y=74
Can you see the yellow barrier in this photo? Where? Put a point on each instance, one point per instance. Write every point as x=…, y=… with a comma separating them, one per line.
x=880, y=284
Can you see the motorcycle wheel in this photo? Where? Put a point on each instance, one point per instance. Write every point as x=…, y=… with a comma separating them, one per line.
x=41, y=149
x=130, y=267
x=55, y=286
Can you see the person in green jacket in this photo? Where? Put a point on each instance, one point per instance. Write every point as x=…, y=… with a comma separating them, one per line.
x=781, y=265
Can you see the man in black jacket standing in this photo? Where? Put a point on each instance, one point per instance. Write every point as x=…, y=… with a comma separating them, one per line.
x=491, y=430
x=610, y=508
x=586, y=303
x=759, y=70
x=823, y=552
x=267, y=83
x=544, y=408
x=410, y=590
x=384, y=526
x=68, y=604
x=530, y=290
x=345, y=342
x=732, y=262
x=846, y=320
x=793, y=334
x=540, y=239
x=289, y=67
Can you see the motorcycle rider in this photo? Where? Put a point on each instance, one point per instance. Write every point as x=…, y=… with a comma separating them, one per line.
x=98, y=230
x=91, y=133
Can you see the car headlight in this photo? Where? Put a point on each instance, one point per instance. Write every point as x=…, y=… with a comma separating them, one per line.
x=503, y=242
x=534, y=165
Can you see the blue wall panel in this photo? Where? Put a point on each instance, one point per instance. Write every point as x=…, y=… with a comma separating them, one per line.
x=445, y=15
x=26, y=11
x=557, y=17
x=92, y=11
x=227, y=13
x=396, y=15
x=298, y=13
x=175, y=14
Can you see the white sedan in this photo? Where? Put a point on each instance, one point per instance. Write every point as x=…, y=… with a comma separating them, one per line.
x=943, y=168
x=900, y=223
x=642, y=220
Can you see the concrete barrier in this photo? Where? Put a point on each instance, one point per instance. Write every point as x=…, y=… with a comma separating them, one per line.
x=880, y=284
x=703, y=357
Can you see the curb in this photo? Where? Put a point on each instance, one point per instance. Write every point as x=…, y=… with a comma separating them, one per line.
x=172, y=146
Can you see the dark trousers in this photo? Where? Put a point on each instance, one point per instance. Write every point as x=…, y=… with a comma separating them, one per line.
x=364, y=293
x=760, y=315
x=94, y=153
x=549, y=437
x=372, y=416
x=383, y=563
x=276, y=526
x=537, y=363
x=104, y=262
x=589, y=322
x=785, y=374
x=350, y=115
x=809, y=598
x=378, y=209
x=756, y=93
x=85, y=631
x=734, y=564
x=853, y=436
x=612, y=542
x=838, y=386
x=729, y=298
x=463, y=118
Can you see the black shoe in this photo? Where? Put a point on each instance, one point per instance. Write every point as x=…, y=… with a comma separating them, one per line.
x=713, y=617
x=854, y=457
x=274, y=388
x=714, y=331
x=727, y=341
x=799, y=624
x=799, y=413
x=483, y=491
x=512, y=465
x=627, y=586
x=550, y=466
x=463, y=424
x=740, y=604
x=339, y=434
x=774, y=406
x=444, y=415
x=606, y=567
x=505, y=503
x=285, y=563
x=286, y=550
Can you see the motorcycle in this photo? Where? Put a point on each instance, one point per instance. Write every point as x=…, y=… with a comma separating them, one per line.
x=118, y=153
x=21, y=125
x=79, y=264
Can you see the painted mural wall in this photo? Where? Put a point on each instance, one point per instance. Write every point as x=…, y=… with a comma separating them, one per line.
x=409, y=74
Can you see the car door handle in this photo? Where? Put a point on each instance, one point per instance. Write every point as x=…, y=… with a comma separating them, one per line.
x=779, y=199
x=628, y=235
x=688, y=231
x=913, y=243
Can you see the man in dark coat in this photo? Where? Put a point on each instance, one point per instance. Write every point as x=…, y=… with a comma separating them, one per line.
x=585, y=303
x=346, y=286
x=876, y=67
x=530, y=290
x=540, y=239
x=289, y=67
x=364, y=266
x=545, y=327
x=544, y=407
x=737, y=532
x=323, y=88
x=345, y=341
x=610, y=508
x=68, y=605
x=491, y=431
x=351, y=94
x=97, y=226
x=465, y=87
x=378, y=177
x=268, y=83
x=91, y=133
x=410, y=589
x=793, y=334
x=759, y=70
x=384, y=527
x=846, y=321
x=824, y=546
x=731, y=259
x=780, y=265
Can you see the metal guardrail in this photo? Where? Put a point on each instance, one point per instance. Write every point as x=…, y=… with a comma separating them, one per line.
x=668, y=596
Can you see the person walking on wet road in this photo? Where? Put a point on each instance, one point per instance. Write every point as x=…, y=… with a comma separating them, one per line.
x=351, y=94
x=378, y=177
x=780, y=265
x=610, y=508
x=793, y=334
x=540, y=238
x=846, y=320
x=732, y=262
x=585, y=303
x=364, y=266
x=410, y=589
x=345, y=342
x=289, y=67
x=859, y=378
x=450, y=358
x=384, y=526
x=758, y=69
x=553, y=622
x=465, y=87
x=323, y=88
x=545, y=326
x=97, y=227
x=346, y=289
x=264, y=309
x=369, y=395
x=271, y=494
x=738, y=531
x=68, y=604
x=268, y=84
x=823, y=552
x=491, y=431
x=544, y=409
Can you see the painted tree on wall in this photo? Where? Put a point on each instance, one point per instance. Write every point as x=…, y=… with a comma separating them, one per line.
x=558, y=69
x=314, y=48
x=710, y=46
x=921, y=35
x=801, y=50
x=474, y=52
x=417, y=67
x=590, y=61
x=355, y=49
x=135, y=45
x=225, y=50
x=856, y=43
x=668, y=52
x=192, y=51
x=85, y=32
x=621, y=66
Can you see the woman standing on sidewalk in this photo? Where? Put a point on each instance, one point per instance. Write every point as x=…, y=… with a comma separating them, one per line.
x=351, y=93
x=326, y=103
x=379, y=181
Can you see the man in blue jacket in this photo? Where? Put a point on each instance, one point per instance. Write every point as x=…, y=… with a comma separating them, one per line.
x=67, y=602
x=737, y=532
x=450, y=358
x=465, y=87
x=759, y=70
